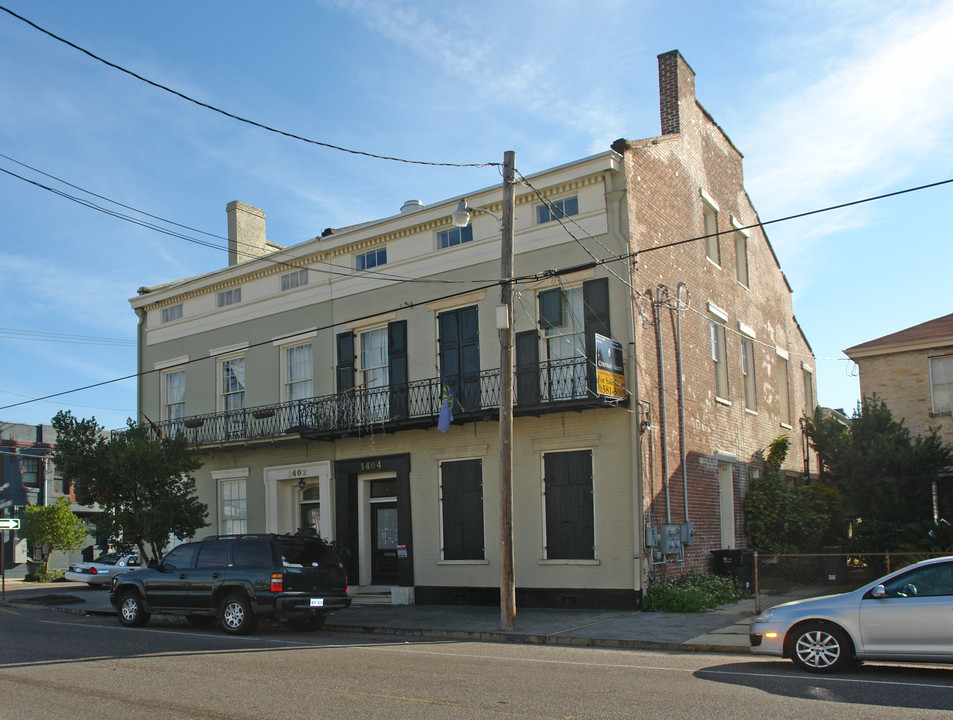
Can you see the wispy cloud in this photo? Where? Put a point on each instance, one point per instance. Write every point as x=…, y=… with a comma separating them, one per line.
x=870, y=116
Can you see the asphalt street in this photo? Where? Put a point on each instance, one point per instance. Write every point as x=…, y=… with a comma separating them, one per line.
x=56, y=664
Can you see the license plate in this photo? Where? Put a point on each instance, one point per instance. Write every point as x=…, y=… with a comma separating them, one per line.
x=317, y=602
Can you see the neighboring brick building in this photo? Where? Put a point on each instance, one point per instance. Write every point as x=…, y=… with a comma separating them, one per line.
x=28, y=477
x=309, y=377
x=911, y=370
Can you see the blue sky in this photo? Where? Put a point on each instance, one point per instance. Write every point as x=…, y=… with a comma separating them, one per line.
x=829, y=101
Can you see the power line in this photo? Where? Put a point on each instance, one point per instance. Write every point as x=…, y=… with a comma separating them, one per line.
x=344, y=269
x=37, y=335
x=238, y=117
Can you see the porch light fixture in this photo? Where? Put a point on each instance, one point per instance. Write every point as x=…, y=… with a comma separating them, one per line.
x=302, y=484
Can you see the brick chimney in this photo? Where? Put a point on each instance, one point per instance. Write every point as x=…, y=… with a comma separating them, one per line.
x=246, y=232
x=676, y=85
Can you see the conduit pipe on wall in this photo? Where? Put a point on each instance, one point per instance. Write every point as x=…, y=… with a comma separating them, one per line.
x=681, y=388
x=663, y=422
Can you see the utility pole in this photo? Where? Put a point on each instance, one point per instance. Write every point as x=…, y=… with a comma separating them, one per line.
x=507, y=561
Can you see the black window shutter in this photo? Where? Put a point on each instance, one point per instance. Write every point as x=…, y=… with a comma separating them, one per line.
x=527, y=368
x=462, y=493
x=595, y=299
x=345, y=369
x=397, y=367
x=551, y=308
x=570, y=528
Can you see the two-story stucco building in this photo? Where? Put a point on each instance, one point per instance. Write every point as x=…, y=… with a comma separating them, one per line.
x=310, y=377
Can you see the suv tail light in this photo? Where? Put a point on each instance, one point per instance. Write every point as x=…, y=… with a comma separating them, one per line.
x=277, y=582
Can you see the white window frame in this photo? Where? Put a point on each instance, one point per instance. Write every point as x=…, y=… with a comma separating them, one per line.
x=568, y=342
x=710, y=224
x=454, y=236
x=378, y=256
x=168, y=404
x=748, y=373
x=171, y=313
x=809, y=396
x=719, y=356
x=555, y=209
x=742, y=271
x=377, y=392
x=294, y=279
x=291, y=385
x=941, y=374
x=235, y=421
x=232, y=296
x=227, y=482
x=784, y=387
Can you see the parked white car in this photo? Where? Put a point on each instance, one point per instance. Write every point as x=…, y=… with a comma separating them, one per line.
x=101, y=571
x=903, y=616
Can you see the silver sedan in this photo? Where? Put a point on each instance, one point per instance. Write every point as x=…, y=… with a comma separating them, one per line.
x=101, y=571
x=904, y=616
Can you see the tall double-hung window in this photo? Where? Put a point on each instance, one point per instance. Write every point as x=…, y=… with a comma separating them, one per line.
x=299, y=372
x=173, y=401
x=710, y=218
x=375, y=379
x=562, y=317
x=719, y=351
x=232, y=397
x=941, y=383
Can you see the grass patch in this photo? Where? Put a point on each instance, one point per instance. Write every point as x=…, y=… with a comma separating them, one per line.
x=695, y=592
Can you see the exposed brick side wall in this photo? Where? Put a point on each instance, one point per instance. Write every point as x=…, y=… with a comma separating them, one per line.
x=665, y=178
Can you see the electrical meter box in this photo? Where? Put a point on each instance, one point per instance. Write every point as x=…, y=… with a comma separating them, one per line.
x=688, y=533
x=651, y=537
x=672, y=539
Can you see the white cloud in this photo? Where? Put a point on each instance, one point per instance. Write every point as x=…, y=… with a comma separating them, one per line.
x=865, y=123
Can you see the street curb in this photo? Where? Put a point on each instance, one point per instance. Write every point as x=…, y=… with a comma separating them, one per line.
x=531, y=639
x=471, y=635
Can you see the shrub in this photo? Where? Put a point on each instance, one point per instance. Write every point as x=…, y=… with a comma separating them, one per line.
x=695, y=592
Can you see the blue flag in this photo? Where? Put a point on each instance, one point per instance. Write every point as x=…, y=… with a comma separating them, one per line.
x=446, y=408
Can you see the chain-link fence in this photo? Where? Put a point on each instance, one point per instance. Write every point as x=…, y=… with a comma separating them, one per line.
x=776, y=579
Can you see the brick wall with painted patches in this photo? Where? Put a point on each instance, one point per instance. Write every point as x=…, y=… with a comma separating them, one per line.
x=736, y=282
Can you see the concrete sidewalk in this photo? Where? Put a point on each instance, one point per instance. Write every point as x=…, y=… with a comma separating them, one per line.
x=721, y=630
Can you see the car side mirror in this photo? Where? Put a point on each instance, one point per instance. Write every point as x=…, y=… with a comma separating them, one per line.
x=153, y=564
x=878, y=592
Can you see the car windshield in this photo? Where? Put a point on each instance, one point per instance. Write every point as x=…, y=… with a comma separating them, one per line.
x=107, y=559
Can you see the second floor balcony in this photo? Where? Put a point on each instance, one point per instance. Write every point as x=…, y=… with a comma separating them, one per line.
x=552, y=386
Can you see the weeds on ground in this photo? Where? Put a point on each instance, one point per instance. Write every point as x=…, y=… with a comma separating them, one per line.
x=695, y=592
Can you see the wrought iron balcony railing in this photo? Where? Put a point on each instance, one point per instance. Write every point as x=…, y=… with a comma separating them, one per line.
x=548, y=387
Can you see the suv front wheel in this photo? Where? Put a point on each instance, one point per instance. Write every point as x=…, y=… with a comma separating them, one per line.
x=131, y=612
x=236, y=616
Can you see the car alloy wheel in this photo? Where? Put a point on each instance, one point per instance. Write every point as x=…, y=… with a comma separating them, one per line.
x=818, y=647
x=131, y=612
x=236, y=616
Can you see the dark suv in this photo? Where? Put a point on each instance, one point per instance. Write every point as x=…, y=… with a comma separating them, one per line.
x=238, y=579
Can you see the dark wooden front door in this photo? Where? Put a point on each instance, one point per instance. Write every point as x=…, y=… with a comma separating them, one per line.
x=384, y=543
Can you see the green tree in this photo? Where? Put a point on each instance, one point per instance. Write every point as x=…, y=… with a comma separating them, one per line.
x=884, y=475
x=143, y=483
x=781, y=518
x=53, y=527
